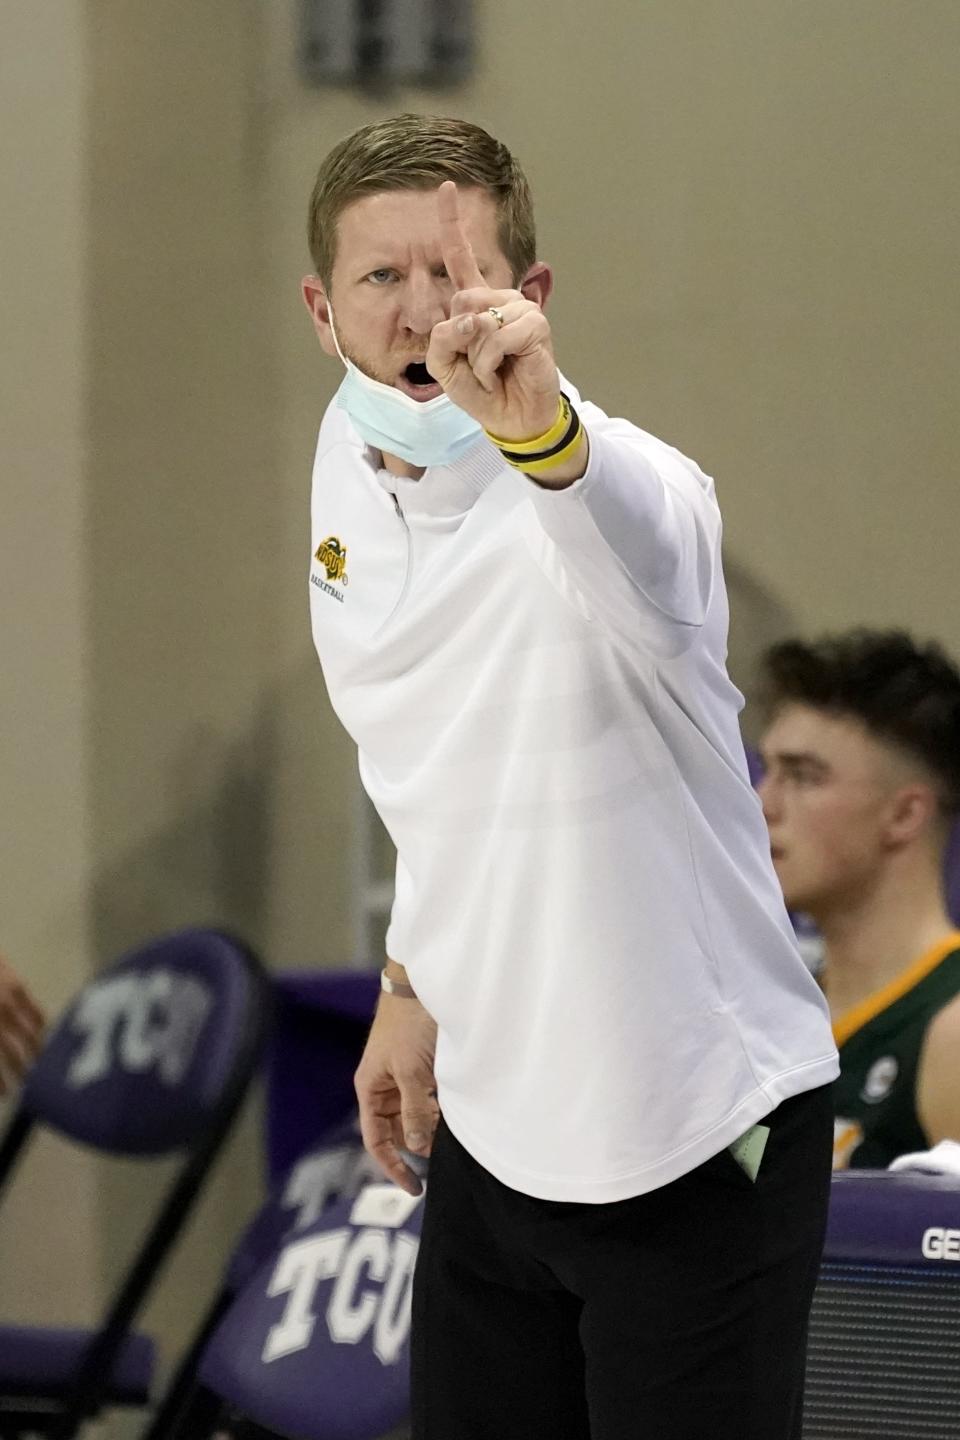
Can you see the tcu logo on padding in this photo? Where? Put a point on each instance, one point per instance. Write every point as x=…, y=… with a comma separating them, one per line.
x=147, y=1020
x=315, y=1179
x=350, y=1257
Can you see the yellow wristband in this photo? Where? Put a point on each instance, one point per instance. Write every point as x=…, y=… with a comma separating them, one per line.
x=549, y=462
x=546, y=441
x=550, y=450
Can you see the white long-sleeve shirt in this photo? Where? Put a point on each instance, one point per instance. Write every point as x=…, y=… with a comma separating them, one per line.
x=585, y=901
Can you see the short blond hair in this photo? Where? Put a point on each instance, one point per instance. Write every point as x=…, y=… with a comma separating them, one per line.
x=417, y=152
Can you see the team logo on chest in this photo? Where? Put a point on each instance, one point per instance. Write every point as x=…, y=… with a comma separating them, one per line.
x=332, y=555
x=881, y=1078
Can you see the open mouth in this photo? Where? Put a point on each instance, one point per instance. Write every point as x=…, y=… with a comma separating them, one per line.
x=417, y=382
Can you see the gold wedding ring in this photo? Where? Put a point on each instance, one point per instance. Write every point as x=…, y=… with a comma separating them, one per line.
x=497, y=315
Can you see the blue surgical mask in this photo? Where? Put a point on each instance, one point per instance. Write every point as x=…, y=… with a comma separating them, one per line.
x=422, y=432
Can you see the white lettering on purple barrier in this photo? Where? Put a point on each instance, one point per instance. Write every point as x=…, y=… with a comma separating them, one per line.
x=941, y=1244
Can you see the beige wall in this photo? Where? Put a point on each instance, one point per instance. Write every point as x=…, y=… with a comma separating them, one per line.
x=45, y=836
x=187, y=732
x=750, y=207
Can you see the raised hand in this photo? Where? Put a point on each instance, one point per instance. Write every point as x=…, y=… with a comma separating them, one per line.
x=494, y=355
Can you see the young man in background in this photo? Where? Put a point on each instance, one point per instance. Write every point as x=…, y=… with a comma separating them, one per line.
x=861, y=785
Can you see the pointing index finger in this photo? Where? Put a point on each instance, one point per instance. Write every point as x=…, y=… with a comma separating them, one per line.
x=458, y=256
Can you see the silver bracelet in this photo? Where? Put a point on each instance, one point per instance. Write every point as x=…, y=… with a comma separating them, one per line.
x=396, y=987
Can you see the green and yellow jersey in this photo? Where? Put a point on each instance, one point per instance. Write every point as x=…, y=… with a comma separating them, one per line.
x=880, y=1043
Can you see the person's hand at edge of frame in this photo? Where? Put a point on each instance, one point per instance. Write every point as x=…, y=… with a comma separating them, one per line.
x=22, y=1025
x=396, y=1089
x=504, y=375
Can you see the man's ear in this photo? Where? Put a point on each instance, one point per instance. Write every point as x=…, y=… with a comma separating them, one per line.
x=913, y=810
x=537, y=284
x=315, y=299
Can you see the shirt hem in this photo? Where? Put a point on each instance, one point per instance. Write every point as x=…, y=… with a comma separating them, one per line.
x=605, y=1190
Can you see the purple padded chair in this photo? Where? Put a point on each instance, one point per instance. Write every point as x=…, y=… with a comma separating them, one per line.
x=334, y=1171
x=153, y=1058
x=316, y=1344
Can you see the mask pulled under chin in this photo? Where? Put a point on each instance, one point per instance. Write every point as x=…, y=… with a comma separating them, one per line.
x=428, y=432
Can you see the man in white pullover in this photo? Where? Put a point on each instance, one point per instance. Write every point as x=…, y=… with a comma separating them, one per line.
x=594, y=1016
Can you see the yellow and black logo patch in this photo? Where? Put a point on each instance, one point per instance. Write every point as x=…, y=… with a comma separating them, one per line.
x=333, y=557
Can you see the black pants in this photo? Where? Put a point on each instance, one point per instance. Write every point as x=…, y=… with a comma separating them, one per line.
x=676, y=1315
